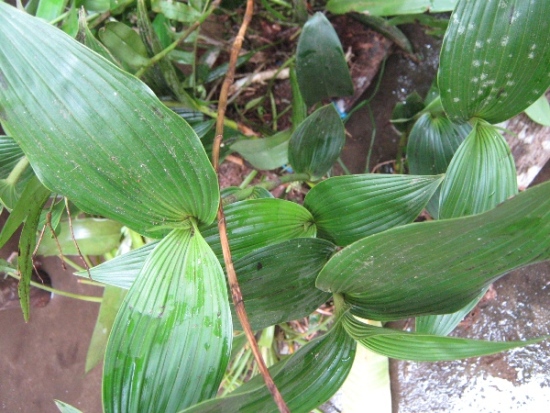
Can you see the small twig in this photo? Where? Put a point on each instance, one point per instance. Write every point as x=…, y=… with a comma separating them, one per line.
x=236, y=294
x=260, y=77
x=74, y=240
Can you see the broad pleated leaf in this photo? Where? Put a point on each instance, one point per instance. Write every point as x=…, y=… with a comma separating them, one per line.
x=256, y=223
x=348, y=208
x=432, y=143
x=481, y=174
x=112, y=299
x=123, y=270
x=390, y=7
x=306, y=379
x=405, y=345
x=443, y=324
x=495, y=59
x=171, y=339
x=278, y=281
x=317, y=142
x=98, y=135
x=321, y=67
x=540, y=111
x=266, y=153
x=94, y=237
x=10, y=155
x=438, y=267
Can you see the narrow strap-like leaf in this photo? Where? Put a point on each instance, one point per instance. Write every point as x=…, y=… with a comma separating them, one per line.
x=33, y=194
x=405, y=345
x=390, y=7
x=27, y=244
x=443, y=324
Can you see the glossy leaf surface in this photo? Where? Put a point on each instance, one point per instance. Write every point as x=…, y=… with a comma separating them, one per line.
x=27, y=244
x=321, y=67
x=405, y=345
x=34, y=193
x=278, y=281
x=348, y=208
x=495, y=59
x=317, y=142
x=443, y=324
x=438, y=267
x=97, y=135
x=390, y=7
x=123, y=270
x=306, y=379
x=432, y=143
x=94, y=237
x=171, y=339
x=256, y=223
x=266, y=153
x=481, y=174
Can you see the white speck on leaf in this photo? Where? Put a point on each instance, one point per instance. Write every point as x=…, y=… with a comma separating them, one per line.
x=476, y=63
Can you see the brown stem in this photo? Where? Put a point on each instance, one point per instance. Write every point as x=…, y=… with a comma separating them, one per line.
x=236, y=294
